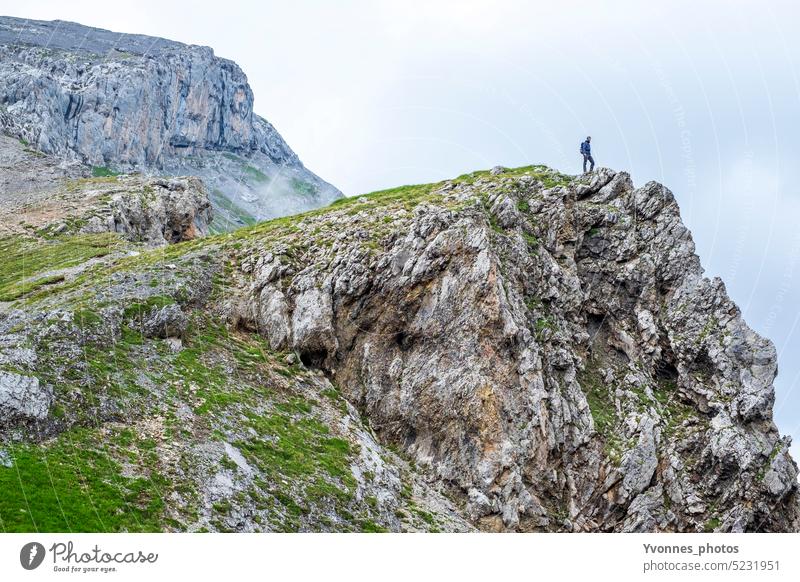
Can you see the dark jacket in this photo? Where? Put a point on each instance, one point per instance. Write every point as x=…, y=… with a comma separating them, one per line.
x=586, y=148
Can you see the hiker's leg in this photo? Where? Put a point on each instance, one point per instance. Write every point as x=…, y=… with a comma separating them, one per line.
x=584, y=163
x=591, y=161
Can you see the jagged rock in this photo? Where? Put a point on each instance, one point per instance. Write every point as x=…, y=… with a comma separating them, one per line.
x=312, y=326
x=22, y=398
x=165, y=322
x=273, y=320
x=639, y=462
x=164, y=211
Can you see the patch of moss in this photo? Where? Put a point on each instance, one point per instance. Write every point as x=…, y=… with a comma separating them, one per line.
x=542, y=326
x=601, y=406
x=369, y=526
x=424, y=516
x=103, y=172
x=531, y=240
x=138, y=309
x=86, y=318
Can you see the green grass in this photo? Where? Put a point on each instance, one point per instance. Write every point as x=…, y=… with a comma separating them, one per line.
x=255, y=173
x=407, y=197
x=86, y=318
x=297, y=448
x=603, y=410
x=404, y=195
x=25, y=260
x=103, y=172
x=228, y=215
x=369, y=526
x=542, y=326
x=73, y=484
x=410, y=196
x=547, y=176
x=531, y=240
x=425, y=516
x=303, y=188
x=302, y=447
x=672, y=410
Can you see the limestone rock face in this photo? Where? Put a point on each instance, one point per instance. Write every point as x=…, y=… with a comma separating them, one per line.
x=546, y=346
x=132, y=102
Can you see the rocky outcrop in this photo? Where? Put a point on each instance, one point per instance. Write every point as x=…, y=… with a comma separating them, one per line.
x=22, y=398
x=27, y=174
x=553, y=353
x=132, y=102
x=155, y=211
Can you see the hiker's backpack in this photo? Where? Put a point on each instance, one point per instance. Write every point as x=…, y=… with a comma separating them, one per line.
x=583, y=147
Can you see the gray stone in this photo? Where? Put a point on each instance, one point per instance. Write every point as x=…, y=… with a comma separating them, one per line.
x=22, y=398
x=165, y=322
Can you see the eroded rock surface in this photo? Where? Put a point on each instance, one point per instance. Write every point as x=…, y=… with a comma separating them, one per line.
x=22, y=397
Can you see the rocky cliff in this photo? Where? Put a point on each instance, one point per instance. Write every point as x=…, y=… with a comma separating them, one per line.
x=515, y=350
x=135, y=103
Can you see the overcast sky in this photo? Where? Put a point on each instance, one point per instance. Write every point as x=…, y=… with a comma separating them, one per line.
x=703, y=96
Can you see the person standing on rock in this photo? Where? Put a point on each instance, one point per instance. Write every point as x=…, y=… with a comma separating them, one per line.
x=586, y=150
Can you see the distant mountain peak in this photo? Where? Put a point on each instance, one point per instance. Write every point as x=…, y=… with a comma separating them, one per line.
x=132, y=102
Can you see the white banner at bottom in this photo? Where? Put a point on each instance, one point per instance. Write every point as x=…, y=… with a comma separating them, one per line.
x=354, y=557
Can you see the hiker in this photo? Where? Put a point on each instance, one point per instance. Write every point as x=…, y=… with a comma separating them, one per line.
x=586, y=150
